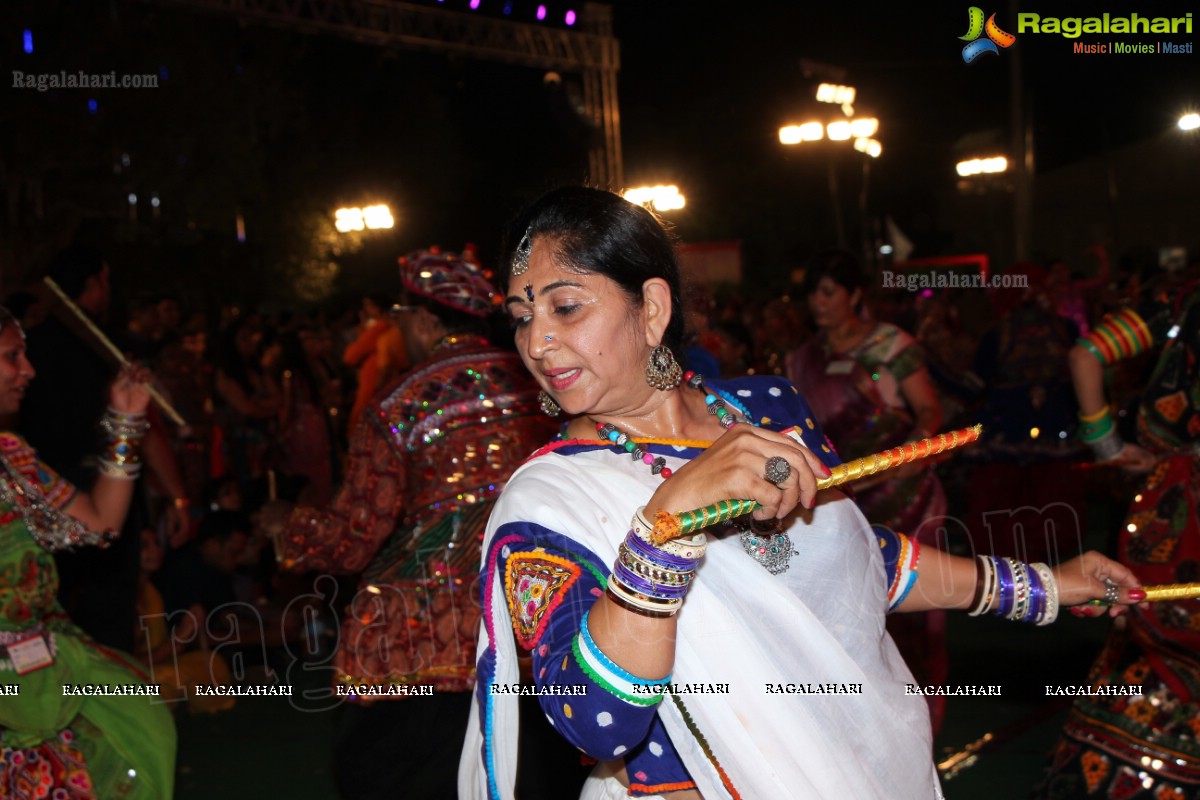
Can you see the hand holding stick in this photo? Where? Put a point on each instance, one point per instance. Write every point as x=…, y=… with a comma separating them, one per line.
x=94, y=329
x=689, y=522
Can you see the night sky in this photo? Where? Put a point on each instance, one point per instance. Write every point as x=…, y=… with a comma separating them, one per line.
x=283, y=125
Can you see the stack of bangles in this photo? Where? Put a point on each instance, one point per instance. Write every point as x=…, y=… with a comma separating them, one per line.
x=1099, y=432
x=1119, y=335
x=1015, y=590
x=120, y=458
x=652, y=580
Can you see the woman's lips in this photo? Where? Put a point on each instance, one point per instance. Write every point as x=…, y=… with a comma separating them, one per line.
x=561, y=379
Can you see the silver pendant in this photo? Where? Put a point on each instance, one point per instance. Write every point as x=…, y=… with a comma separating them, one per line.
x=773, y=550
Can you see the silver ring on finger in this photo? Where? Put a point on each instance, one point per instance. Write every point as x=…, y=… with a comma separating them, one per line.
x=777, y=471
x=1112, y=592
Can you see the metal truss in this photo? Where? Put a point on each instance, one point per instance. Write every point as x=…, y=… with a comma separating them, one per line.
x=592, y=52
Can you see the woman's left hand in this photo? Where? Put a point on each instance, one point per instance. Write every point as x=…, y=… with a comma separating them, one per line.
x=129, y=393
x=1082, y=580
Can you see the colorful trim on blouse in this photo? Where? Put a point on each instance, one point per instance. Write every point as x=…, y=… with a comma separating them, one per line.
x=609, y=675
x=900, y=557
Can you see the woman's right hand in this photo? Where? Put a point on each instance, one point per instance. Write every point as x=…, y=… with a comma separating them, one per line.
x=734, y=467
x=128, y=393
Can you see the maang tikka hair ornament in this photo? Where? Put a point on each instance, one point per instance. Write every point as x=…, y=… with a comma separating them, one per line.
x=529, y=291
x=521, y=256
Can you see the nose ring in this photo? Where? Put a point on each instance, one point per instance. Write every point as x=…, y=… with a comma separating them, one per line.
x=548, y=337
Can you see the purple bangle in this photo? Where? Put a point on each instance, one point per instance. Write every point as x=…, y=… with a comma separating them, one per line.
x=1037, y=597
x=642, y=585
x=1008, y=594
x=653, y=554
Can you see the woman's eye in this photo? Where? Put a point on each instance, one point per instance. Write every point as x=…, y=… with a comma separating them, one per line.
x=563, y=311
x=519, y=321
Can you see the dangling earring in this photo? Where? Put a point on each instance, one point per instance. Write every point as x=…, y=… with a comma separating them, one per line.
x=662, y=370
x=549, y=407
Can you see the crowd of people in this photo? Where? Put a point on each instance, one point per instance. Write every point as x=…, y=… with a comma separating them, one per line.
x=392, y=447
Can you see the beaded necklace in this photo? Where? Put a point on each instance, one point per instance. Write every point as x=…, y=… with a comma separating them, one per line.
x=767, y=544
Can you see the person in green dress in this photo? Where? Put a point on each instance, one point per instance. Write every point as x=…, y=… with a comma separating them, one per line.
x=77, y=720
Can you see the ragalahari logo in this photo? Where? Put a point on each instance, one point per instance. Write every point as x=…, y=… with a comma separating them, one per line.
x=976, y=27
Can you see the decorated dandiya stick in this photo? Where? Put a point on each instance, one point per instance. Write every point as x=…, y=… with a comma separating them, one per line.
x=899, y=456
x=688, y=522
x=1163, y=592
x=115, y=351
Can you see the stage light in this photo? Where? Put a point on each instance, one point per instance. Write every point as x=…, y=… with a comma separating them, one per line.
x=864, y=128
x=838, y=131
x=348, y=219
x=378, y=217
x=28, y=41
x=663, y=198
x=569, y=18
x=1189, y=122
x=833, y=93
x=977, y=166
x=869, y=146
x=474, y=4
x=541, y=13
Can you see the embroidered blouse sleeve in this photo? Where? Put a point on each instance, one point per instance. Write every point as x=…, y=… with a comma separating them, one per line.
x=907, y=356
x=900, y=556
x=23, y=458
x=343, y=538
x=550, y=585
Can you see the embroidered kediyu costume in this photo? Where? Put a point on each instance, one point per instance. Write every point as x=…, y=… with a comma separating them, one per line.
x=77, y=720
x=424, y=469
x=786, y=684
x=1147, y=746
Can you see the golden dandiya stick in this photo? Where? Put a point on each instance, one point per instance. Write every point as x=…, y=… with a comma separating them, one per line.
x=155, y=395
x=688, y=522
x=1172, y=591
x=898, y=456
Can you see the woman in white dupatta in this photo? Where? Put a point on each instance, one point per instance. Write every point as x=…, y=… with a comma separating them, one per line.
x=763, y=683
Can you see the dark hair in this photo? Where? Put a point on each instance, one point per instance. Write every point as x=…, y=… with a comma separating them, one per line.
x=7, y=318
x=602, y=233
x=71, y=268
x=839, y=266
x=19, y=303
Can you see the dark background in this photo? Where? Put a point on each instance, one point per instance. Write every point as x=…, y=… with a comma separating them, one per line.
x=283, y=126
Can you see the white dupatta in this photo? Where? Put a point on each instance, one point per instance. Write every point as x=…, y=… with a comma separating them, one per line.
x=820, y=623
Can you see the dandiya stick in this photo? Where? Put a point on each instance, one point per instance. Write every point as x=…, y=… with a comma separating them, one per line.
x=1172, y=591
x=899, y=456
x=115, y=351
x=692, y=521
